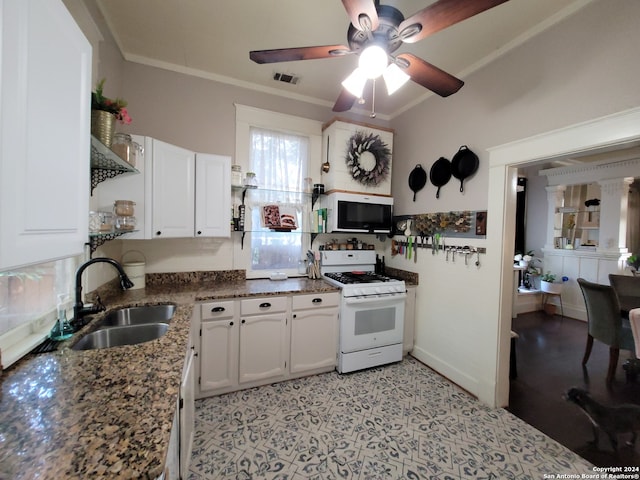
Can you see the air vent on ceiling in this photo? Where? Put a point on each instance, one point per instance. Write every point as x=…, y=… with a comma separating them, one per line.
x=286, y=78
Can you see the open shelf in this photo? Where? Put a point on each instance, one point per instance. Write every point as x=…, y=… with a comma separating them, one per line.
x=106, y=164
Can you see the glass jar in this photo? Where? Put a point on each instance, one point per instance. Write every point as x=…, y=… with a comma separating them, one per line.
x=250, y=180
x=122, y=146
x=94, y=222
x=236, y=175
x=125, y=223
x=135, y=155
x=107, y=221
x=123, y=208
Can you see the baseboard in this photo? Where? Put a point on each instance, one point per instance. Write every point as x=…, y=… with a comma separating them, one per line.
x=450, y=372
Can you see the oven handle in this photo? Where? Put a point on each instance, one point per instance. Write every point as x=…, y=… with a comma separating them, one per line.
x=374, y=299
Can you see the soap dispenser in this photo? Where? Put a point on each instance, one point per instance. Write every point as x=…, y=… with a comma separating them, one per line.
x=62, y=328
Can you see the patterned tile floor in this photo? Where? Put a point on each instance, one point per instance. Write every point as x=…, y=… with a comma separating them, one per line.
x=400, y=421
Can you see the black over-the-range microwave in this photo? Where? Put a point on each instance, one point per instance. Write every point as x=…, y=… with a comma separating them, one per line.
x=354, y=212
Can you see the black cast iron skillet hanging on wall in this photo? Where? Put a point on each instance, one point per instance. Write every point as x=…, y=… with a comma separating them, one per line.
x=440, y=173
x=417, y=180
x=464, y=164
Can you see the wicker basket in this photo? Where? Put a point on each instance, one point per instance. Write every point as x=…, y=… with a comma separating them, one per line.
x=103, y=125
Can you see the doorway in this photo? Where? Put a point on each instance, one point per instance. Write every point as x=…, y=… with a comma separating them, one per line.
x=613, y=132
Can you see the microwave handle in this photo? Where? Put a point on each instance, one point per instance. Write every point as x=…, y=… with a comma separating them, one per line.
x=373, y=300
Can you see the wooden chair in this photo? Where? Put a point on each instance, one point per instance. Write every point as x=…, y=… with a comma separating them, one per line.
x=605, y=323
x=627, y=288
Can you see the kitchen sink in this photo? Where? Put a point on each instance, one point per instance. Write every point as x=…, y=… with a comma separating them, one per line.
x=124, y=335
x=130, y=316
x=128, y=326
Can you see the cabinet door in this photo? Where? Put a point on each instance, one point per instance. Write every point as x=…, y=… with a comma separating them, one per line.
x=314, y=339
x=213, y=195
x=44, y=133
x=263, y=347
x=218, y=355
x=173, y=187
x=187, y=413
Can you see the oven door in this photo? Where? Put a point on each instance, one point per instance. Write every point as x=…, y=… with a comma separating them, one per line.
x=371, y=321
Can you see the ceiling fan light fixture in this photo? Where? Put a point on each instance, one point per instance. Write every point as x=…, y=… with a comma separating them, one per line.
x=394, y=78
x=373, y=61
x=355, y=82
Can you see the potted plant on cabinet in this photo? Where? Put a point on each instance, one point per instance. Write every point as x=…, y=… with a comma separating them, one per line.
x=104, y=113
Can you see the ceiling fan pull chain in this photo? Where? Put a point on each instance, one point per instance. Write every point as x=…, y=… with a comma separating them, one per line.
x=373, y=99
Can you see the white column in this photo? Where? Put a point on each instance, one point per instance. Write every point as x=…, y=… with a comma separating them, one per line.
x=555, y=200
x=613, y=215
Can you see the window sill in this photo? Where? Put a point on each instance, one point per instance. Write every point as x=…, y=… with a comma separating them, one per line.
x=20, y=341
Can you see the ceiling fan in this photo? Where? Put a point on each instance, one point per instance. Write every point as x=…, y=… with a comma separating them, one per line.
x=375, y=32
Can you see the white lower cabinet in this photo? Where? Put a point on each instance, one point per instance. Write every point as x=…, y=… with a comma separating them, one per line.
x=176, y=464
x=187, y=409
x=218, y=352
x=314, y=331
x=263, y=339
x=254, y=341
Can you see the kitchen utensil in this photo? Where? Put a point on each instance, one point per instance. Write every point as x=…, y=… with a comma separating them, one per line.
x=464, y=164
x=326, y=166
x=415, y=249
x=417, y=180
x=440, y=173
x=477, y=258
x=409, y=247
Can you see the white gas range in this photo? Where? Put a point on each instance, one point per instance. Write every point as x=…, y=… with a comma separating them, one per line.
x=371, y=312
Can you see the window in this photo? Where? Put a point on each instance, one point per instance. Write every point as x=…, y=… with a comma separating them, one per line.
x=28, y=300
x=282, y=150
x=279, y=161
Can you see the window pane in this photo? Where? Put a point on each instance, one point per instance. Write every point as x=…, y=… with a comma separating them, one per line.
x=280, y=163
x=30, y=293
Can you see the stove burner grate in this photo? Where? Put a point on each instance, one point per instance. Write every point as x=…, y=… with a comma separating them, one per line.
x=357, y=277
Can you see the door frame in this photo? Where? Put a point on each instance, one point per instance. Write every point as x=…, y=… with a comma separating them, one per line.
x=612, y=132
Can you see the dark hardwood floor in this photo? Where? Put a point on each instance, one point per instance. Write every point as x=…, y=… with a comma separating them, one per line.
x=549, y=356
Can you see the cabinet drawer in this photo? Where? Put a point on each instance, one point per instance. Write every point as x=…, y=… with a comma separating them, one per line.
x=263, y=305
x=216, y=310
x=316, y=300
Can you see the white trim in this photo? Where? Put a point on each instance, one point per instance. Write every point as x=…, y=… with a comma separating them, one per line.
x=615, y=131
x=612, y=132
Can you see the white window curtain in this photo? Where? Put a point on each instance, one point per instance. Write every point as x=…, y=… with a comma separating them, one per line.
x=280, y=162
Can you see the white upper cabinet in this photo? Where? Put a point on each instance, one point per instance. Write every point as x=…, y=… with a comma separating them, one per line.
x=213, y=200
x=173, y=191
x=45, y=96
x=178, y=193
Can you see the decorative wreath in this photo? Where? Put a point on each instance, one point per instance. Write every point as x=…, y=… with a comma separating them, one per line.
x=368, y=158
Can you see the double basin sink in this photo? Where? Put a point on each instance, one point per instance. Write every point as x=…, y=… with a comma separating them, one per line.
x=128, y=326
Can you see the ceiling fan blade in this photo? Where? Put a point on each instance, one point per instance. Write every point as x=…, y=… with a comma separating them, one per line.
x=429, y=76
x=300, y=53
x=344, y=102
x=363, y=14
x=440, y=15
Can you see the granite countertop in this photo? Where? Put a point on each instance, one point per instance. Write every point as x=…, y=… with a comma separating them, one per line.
x=108, y=413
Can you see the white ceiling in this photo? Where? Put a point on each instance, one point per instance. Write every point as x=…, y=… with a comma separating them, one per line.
x=212, y=39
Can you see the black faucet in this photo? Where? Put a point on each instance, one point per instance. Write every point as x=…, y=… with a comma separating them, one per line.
x=79, y=310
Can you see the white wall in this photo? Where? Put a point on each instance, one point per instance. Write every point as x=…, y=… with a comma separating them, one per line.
x=564, y=76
